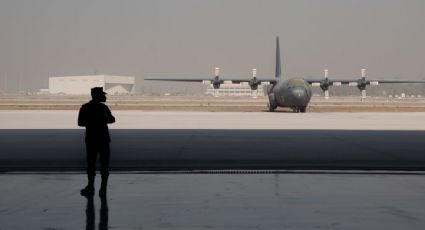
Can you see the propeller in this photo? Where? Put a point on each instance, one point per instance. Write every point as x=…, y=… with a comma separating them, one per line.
x=361, y=83
x=324, y=84
x=254, y=82
x=216, y=82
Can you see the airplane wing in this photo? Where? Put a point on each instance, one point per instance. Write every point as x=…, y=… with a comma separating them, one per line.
x=356, y=81
x=361, y=83
x=202, y=80
x=254, y=82
x=396, y=81
x=329, y=81
x=177, y=79
x=217, y=81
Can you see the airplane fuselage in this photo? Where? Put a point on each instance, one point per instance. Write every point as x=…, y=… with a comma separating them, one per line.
x=294, y=93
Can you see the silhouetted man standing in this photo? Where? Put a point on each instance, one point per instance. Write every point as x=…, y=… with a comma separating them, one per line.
x=96, y=116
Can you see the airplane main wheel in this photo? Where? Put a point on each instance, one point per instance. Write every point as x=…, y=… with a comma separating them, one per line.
x=271, y=107
x=303, y=109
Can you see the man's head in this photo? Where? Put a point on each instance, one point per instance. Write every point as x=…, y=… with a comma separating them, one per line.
x=98, y=95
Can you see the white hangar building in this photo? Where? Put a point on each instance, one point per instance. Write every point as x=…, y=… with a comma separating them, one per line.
x=80, y=85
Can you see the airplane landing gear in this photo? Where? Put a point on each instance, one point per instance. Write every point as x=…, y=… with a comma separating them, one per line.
x=271, y=107
x=299, y=109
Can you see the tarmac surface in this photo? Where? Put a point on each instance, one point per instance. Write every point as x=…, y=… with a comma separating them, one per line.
x=221, y=201
x=232, y=171
x=168, y=141
x=30, y=119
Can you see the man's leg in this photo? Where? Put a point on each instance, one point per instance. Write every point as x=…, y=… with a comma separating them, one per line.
x=104, y=156
x=91, y=168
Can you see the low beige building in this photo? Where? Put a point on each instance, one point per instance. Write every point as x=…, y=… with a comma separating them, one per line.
x=231, y=89
x=81, y=85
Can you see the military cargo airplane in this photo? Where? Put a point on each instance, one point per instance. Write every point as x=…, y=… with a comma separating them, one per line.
x=294, y=93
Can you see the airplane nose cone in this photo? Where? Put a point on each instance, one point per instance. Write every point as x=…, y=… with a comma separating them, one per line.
x=299, y=93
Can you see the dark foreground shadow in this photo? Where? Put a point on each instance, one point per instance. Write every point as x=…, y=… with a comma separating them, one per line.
x=186, y=149
x=91, y=216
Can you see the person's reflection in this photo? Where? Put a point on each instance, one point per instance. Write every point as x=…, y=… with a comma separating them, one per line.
x=103, y=224
x=90, y=213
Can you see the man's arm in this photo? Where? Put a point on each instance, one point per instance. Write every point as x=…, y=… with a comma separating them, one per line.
x=109, y=118
x=82, y=117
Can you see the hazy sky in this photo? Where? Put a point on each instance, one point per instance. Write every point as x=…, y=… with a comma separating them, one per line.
x=42, y=38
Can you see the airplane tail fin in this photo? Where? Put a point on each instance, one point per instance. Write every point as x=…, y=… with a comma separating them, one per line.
x=278, y=71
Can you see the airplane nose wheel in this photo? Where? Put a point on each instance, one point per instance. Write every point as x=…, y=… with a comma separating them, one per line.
x=299, y=109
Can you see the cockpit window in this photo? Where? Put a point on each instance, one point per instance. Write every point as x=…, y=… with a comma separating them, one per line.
x=296, y=82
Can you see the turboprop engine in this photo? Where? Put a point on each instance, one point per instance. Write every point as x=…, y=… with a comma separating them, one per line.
x=216, y=82
x=254, y=82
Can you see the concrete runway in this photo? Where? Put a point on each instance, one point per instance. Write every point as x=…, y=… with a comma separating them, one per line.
x=25, y=119
x=219, y=141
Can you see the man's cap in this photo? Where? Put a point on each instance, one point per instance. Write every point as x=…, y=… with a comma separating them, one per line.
x=97, y=91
